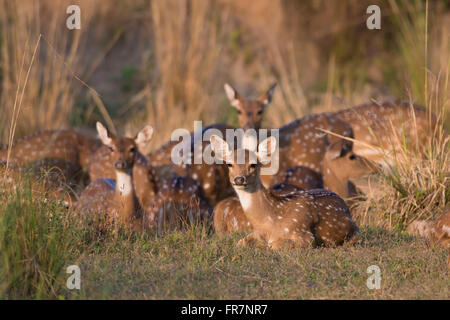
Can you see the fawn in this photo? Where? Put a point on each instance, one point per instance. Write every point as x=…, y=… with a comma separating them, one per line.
x=301, y=219
x=437, y=231
x=386, y=125
x=67, y=150
x=117, y=200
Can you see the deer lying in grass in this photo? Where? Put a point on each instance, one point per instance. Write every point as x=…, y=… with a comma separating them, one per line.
x=301, y=219
x=303, y=144
x=134, y=193
x=66, y=150
x=47, y=183
x=340, y=165
x=437, y=231
x=388, y=126
x=180, y=203
x=117, y=199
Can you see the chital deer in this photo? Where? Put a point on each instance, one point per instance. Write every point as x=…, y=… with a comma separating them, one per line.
x=339, y=165
x=303, y=144
x=146, y=183
x=67, y=150
x=214, y=178
x=117, y=200
x=180, y=202
x=302, y=219
x=47, y=182
x=299, y=176
x=437, y=231
x=386, y=125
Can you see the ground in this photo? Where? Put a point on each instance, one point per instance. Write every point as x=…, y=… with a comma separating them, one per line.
x=193, y=265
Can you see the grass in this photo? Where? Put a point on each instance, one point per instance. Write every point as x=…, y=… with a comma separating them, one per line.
x=36, y=243
x=191, y=265
x=36, y=249
x=179, y=66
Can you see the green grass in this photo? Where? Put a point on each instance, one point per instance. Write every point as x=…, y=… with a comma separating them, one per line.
x=192, y=265
x=35, y=250
x=37, y=241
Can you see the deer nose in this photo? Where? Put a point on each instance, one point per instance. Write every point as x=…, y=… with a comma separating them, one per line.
x=239, y=181
x=120, y=164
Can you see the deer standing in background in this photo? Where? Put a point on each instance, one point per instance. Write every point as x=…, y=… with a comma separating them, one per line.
x=437, y=231
x=117, y=200
x=386, y=125
x=301, y=219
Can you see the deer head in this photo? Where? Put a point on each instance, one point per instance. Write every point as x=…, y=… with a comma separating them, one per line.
x=244, y=165
x=123, y=150
x=250, y=112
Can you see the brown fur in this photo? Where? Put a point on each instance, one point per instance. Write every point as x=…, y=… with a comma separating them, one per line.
x=301, y=219
x=68, y=150
x=374, y=123
x=118, y=203
x=437, y=231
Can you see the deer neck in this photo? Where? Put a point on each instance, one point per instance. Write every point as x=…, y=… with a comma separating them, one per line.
x=125, y=195
x=145, y=181
x=258, y=204
x=334, y=182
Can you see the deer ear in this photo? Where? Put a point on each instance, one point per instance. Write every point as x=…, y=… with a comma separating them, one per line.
x=266, y=149
x=144, y=136
x=266, y=98
x=220, y=147
x=104, y=134
x=232, y=95
x=339, y=149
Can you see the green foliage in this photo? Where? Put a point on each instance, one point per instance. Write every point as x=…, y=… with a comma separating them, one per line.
x=37, y=243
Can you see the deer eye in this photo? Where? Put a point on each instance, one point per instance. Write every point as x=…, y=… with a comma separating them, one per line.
x=352, y=157
x=229, y=165
x=253, y=165
x=133, y=150
x=260, y=112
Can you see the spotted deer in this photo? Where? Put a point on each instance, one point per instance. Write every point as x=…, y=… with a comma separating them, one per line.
x=145, y=181
x=437, y=231
x=339, y=165
x=180, y=203
x=117, y=199
x=386, y=126
x=214, y=178
x=152, y=197
x=300, y=219
x=67, y=150
x=44, y=181
x=302, y=143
